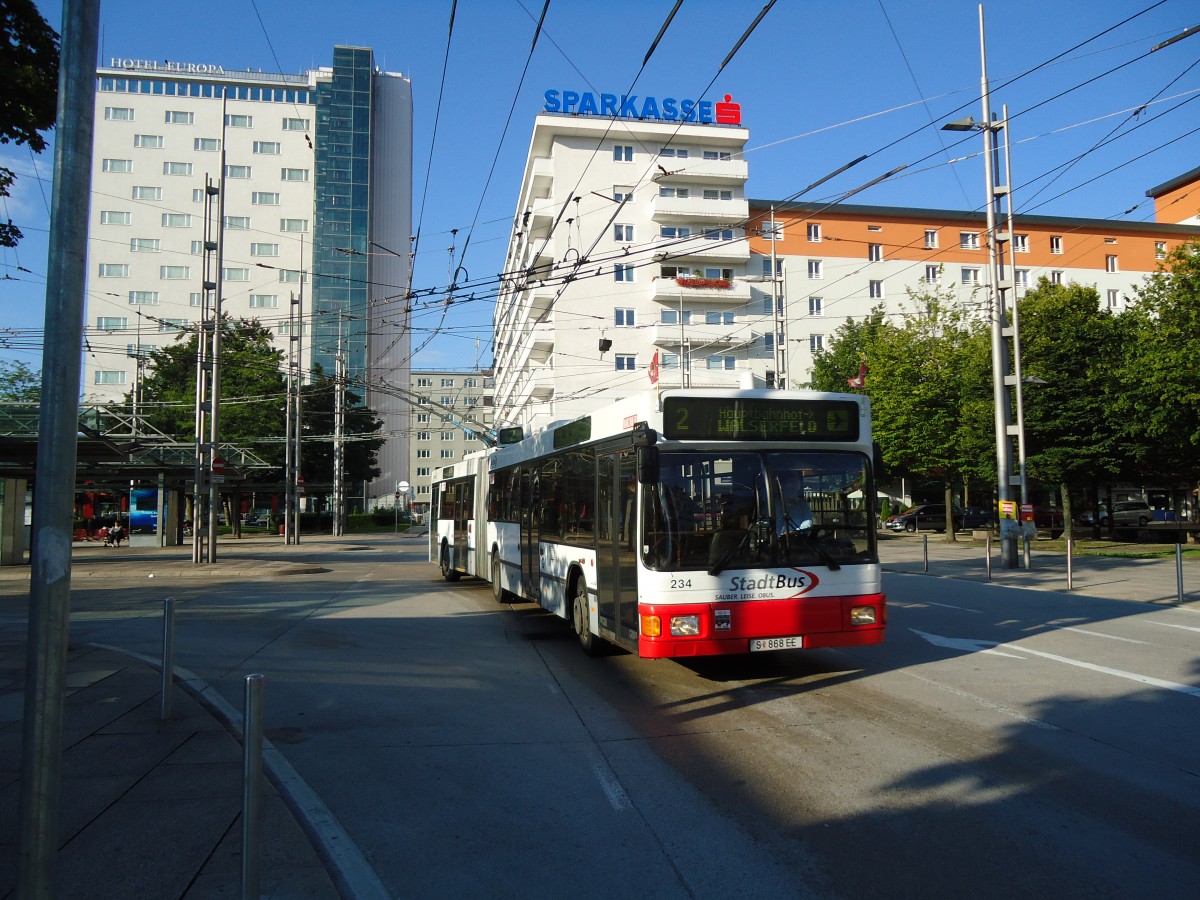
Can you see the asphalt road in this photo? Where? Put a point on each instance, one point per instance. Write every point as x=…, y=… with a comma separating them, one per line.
x=1002, y=743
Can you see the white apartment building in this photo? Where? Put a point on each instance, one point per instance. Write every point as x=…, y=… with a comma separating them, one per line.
x=628, y=243
x=634, y=244
x=309, y=187
x=453, y=408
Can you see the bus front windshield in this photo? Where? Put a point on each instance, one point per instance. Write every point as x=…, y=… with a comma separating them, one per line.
x=759, y=509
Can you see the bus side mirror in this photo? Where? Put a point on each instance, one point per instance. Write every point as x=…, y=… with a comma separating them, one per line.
x=647, y=465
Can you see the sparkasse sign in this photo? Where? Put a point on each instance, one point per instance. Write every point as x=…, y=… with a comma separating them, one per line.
x=633, y=106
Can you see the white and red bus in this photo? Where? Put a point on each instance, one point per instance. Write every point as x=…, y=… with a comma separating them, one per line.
x=688, y=523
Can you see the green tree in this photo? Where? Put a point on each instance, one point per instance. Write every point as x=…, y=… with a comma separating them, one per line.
x=1071, y=354
x=252, y=386
x=849, y=348
x=1159, y=401
x=362, y=440
x=19, y=383
x=28, y=101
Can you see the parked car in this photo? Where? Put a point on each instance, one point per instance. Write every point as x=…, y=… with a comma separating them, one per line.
x=1127, y=513
x=978, y=517
x=1049, y=518
x=922, y=517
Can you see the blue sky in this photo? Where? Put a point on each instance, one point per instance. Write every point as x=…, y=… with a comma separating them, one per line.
x=820, y=83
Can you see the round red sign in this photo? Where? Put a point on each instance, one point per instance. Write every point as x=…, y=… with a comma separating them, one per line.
x=218, y=465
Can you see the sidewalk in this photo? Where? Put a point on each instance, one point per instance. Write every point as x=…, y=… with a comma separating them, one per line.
x=152, y=808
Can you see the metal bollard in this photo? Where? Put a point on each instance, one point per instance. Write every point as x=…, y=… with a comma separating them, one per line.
x=987, y=555
x=1070, y=564
x=252, y=782
x=1179, y=571
x=1028, y=555
x=168, y=657
x=926, y=551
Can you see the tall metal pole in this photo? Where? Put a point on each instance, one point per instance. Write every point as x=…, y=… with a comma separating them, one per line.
x=1018, y=379
x=289, y=467
x=297, y=478
x=339, y=413
x=214, y=416
x=776, y=313
x=203, y=345
x=58, y=425
x=1008, y=539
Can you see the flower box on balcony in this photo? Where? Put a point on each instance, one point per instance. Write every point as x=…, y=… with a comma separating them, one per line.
x=720, y=283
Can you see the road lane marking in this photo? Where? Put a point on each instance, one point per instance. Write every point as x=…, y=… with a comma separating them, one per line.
x=979, y=646
x=1173, y=625
x=608, y=783
x=1100, y=634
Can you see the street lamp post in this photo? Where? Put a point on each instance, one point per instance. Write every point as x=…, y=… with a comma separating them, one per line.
x=1002, y=284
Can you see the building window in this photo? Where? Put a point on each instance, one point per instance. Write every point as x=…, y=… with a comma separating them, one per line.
x=718, y=154
x=176, y=220
x=424, y=435
x=622, y=193
x=239, y=121
x=1021, y=278
x=931, y=238
x=197, y=248
x=238, y=172
x=179, y=117
x=141, y=192
x=626, y=362
x=1160, y=249
x=114, y=270
x=109, y=376
x=970, y=277
x=300, y=225
x=874, y=252
x=292, y=276
x=293, y=174
x=447, y=435
x=195, y=299
x=673, y=231
x=118, y=114
x=197, y=195
x=143, y=298
x=264, y=198
x=766, y=267
x=140, y=349
x=295, y=124
x=622, y=153
x=622, y=273
x=117, y=166
x=447, y=382
x=875, y=290
x=422, y=417
x=816, y=342
x=1113, y=297
x=676, y=152
x=148, y=141
x=968, y=240
x=814, y=268
x=1020, y=243
x=446, y=454
x=677, y=193
x=144, y=245
x=1110, y=264
x=174, y=273
x=207, y=145
x=816, y=306
x=1056, y=277
x=423, y=471
x=719, y=317
x=718, y=234
x=447, y=400
x=721, y=362
x=237, y=223
x=264, y=301
x=814, y=232
x=172, y=324
x=772, y=230
x=717, y=194
x=622, y=232
x=112, y=323
x=264, y=249
x=672, y=316
x=624, y=318
x=933, y=274
x=115, y=217
x=424, y=382
x=267, y=148
x=235, y=274
x=422, y=454
x=177, y=168
x=1056, y=244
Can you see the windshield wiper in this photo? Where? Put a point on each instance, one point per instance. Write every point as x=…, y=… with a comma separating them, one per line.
x=825, y=556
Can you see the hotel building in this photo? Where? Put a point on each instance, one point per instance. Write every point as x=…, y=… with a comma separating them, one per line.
x=316, y=199
x=635, y=252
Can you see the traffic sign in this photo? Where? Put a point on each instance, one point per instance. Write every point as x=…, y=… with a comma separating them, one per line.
x=218, y=465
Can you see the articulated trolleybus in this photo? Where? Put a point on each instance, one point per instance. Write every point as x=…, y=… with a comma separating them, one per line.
x=689, y=523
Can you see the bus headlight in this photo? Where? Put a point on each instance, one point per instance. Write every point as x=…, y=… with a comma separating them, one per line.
x=862, y=615
x=685, y=626
x=651, y=626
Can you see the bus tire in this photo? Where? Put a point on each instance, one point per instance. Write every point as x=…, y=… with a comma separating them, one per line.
x=498, y=591
x=591, y=644
x=447, y=571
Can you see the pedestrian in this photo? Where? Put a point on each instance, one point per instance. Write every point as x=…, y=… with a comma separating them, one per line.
x=115, y=533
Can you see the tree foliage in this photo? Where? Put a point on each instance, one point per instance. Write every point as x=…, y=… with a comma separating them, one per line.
x=19, y=383
x=362, y=427
x=28, y=100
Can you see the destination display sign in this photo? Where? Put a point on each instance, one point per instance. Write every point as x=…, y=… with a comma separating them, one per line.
x=765, y=419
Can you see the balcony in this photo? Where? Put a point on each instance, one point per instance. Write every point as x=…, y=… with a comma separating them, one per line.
x=699, y=209
x=712, y=337
x=541, y=180
x=667, y=290
x=541, y=343
x=706, y=171
x=699, y=248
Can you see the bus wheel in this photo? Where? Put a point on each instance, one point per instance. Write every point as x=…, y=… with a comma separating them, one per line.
x=591, y=644
x=447, y=572
x=498, y=590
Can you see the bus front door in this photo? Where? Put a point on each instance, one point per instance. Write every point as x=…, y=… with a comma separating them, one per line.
x=616, y=547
